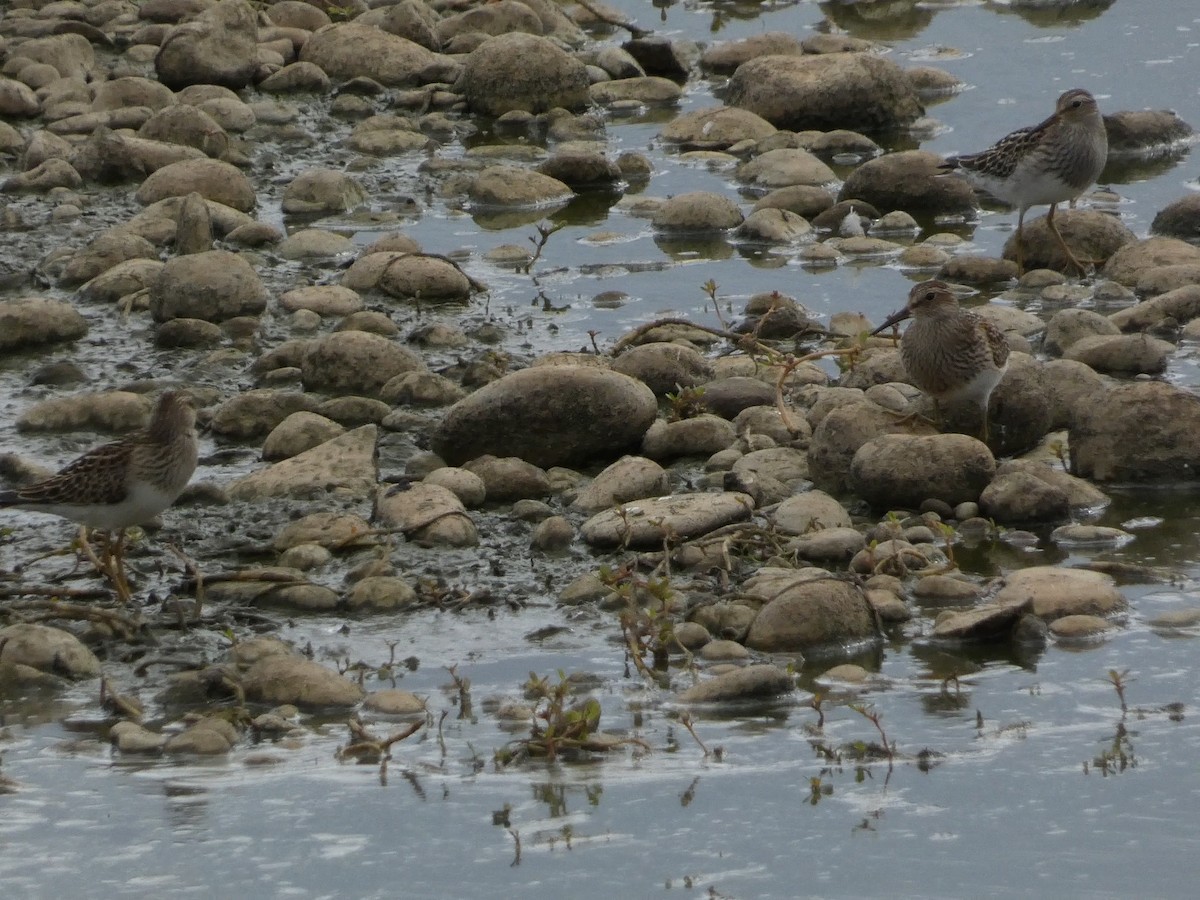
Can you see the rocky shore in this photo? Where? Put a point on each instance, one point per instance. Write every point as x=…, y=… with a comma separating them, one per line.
x=767, y=487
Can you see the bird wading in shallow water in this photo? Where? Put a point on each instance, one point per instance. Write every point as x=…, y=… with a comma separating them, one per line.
x=951, y=354
x=127, y=482
x=1054, y=161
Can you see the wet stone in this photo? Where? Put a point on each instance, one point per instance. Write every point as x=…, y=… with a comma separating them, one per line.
x=47, y=649
x=750, y=683
x=299, y=681
x=1055, y=592
x=646, y=523
x=394, y=702
x=721, y=650
x=1080, y=626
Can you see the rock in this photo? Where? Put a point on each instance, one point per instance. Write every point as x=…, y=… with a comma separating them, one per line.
x=118, y=411
x=749, y=683
x=648, y=522
x=1122, y=354
x=895, y=557
x=801, y=199
x=786, y=465
x=581, y=169
x=550, y=415
x=344, y=466
x=45, y=177
x=129, y=737
x=552, y=535
x=700, y=435
x=786, y=166
x=640, y=89
x=1080, y=494
x=109, y=249
x=17, y=100
x=944, y=589
x=355, y=362
x=1178, y=219
x=427, y=279
x=296, y=77
x=1180, y=305
x=510, y=478
x=395, y=702
x=1022, y=497
x=698, y=211
x=299, y=681
x=898, y=470
x=421, y=389
x=34, y=321
x=300, y=431
x=210, y=736
x=809, y=512
x=663, y=367
x=1070, y=387
x=216, y=47
x=1141, y=432
x=727, y=620
x=728, y=397
x=377, y=593
x=213, y=179
x=253, y=414
x=214, y=286
x=724, y=57
x=314, y=243
x=852, y=90
x=1053, y=592
x=331, y=530
x=522, y=72
x=1135, y=258
x=715, y=129
x=1089, y=234
x=691, y=635
x=1020, y=411
x=512, y=186
x=847, y=673
x=832, y=544
x=1090, y=536
x=324, y=299
x=427, y=513
x=1139, y=133
x=70, y=55
x=1078, y=627
x=776, y=226
x=322, y=191
x=47, y=649
x=468, y=487
x=1070, y=325
x=1167, y=278
x=629, y=478
x=909, y=180
x=349, y=50
x=840, y=433
x=991, y=621
x=804, y=611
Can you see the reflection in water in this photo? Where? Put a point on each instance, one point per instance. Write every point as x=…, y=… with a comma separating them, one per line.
x=886, y=20
x=1055, y=14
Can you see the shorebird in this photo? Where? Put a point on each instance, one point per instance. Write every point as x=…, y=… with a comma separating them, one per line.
x=1049, y=163
x=120, y=484
x=950, y=353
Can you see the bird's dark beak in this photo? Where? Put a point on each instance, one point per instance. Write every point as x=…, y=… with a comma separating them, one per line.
x=894, y=319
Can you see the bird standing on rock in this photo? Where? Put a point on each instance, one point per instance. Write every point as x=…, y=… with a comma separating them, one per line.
x=950, y=353
x=1051, y=162
x=123, y=483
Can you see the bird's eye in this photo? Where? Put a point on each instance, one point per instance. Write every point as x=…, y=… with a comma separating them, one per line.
x=1076, y=104
x=929, y=295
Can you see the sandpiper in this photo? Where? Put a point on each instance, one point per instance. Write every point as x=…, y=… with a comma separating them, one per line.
x=1054, y=161
x=123, y=483
x=950, y=353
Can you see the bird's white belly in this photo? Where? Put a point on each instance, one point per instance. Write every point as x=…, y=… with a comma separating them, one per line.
x=978, y=389
x=140, y=505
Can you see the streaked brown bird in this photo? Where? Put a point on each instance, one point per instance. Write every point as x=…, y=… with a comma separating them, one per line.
x=1051, y=162
x=123, y=483
x=950, y=353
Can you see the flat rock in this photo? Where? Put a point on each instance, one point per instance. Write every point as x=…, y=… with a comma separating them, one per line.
x=344, y=466
x=299, y=681
x=750, y=683
x=47, y=649
x=1053, y=592
x=647, y=523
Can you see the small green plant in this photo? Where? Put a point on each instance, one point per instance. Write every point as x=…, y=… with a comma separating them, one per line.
x=558, y=726
x=686, y=403
x=873, y=716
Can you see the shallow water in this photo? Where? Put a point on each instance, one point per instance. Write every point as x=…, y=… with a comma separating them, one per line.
x=1005, y=809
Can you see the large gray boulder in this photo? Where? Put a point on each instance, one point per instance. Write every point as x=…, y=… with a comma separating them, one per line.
x=1138, y=432
x=522, y=72
x=839, y=90
x=548, y=415
x=219, y=46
